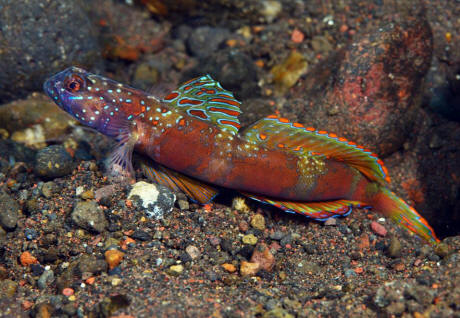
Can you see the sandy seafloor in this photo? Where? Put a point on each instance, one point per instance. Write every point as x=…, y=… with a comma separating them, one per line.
x=382, y=73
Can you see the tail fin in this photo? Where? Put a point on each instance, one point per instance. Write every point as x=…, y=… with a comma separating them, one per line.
x=400, y=212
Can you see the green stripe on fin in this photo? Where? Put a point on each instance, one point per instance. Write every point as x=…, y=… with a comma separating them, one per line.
x=194, y=189
x=319, y=211
x=274, y=133
x=205, y=99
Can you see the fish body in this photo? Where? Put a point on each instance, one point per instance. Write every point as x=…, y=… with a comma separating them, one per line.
x=194, y=138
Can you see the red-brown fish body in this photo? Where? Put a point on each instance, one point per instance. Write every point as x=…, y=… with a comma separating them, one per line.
x=193, y=136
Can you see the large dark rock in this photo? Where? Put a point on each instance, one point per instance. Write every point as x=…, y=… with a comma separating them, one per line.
x=38, y=38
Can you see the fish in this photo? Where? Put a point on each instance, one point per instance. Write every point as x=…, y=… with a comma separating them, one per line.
x=195, y=144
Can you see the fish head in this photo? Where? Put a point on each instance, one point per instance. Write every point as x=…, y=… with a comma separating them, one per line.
x=94, y=100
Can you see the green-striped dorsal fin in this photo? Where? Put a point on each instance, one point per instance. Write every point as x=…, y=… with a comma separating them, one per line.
x=205, y=99
x=278, y=133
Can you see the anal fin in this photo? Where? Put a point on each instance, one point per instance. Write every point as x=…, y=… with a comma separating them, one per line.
x=320, y=211
x=194, y=189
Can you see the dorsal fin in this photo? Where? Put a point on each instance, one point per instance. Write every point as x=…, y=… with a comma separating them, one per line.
x=276, y=132
x=205, y=99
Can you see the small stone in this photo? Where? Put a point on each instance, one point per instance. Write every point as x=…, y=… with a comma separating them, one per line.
x=320, y=43
x=45, y=279
x=141, y=236
x=205, y=40
x=399, y=267
x=53, y=161
x=87, y=195
x=48, y=189
x=183, y=205
x=91, y=265
x=263, y=257
x=9, y=212
x=250, y=239
x=442, y=250
x=27, y=259
x=243, y=226
x=278, y=235
x=89, y=216
x=331, y=222
x=248, y=268
x=229, y=267
x=378, y=229
x=396, y=308
x=8, y=287
x=157, y=200
x=193, y=252
x=30, y=234
x=394, y=250
x=116, y=281
x=113, y=258
x=175, y=270
x=277, y=313
x=68, y=291
x=258, y=222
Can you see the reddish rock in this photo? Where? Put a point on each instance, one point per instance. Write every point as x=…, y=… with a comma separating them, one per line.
x=378, y=229
x=374, y=84
x=263, y=257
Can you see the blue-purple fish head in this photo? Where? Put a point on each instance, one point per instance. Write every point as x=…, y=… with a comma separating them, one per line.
x=90, y=98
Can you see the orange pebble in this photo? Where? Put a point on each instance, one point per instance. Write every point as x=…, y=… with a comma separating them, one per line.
x=27, y=259
x=113, y=258
x=90, y=280
x=229, y=267
x=297, y=36
x=67, y=292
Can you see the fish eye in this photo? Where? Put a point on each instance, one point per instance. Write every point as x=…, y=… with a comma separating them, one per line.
x=73, y=83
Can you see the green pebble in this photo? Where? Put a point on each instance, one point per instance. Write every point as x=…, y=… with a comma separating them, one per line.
x=250, y=239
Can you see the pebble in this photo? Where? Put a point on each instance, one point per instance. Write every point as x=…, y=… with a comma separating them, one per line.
x=53, y=161
x=91, y=265
x=175, y=270
x=45, y=279
x=394, y=250
x=27, y=259
x=321, y=44
x=9, y=212
x=193, y=252
x=49, y=189
x=258, y=222
x=229, y=267
x=205, y=40
x=113, y=258
x=363, y=242
x=68, y=292
x=87, y=195
x=331, y=222
x=442, y=250
x=277, y=235
x=141, y=235
x=30, y=234
x=250, y=239
x=396, y=308
x=263, y=257
x=157, y=200
x=8, y=287
x=183, y=205
x=277, y=312
x=378, y=229
x=116, y=281
x=89, y=216
x=248, y=268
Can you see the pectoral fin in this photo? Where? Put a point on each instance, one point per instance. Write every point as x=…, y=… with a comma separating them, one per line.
x=194, y=189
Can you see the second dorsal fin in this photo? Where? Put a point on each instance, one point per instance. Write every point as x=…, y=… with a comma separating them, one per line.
x=205, y=99
x=276, y=132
